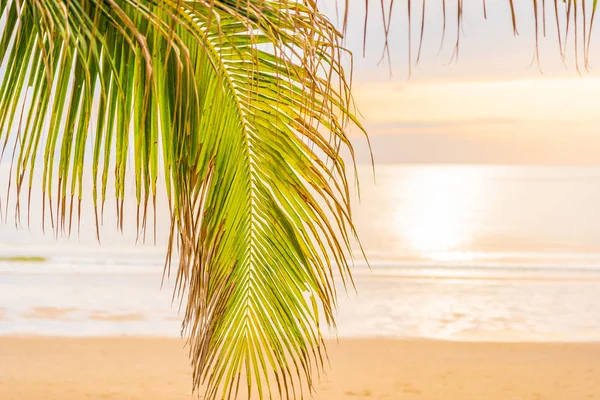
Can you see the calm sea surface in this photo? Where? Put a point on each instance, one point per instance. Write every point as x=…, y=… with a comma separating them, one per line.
x=456, y=252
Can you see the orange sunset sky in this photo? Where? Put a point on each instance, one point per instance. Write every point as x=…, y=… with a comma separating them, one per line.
x=492, y=106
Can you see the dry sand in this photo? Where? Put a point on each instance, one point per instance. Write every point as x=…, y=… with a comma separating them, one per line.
x=152, y=369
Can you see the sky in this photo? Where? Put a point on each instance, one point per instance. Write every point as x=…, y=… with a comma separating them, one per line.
x=492, y=105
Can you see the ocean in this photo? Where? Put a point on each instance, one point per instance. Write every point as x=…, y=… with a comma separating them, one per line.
x=473, y=253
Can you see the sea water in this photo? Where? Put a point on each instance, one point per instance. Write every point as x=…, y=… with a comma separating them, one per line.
x=478, y=253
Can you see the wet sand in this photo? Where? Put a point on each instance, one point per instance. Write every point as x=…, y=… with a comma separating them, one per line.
x=49, y=313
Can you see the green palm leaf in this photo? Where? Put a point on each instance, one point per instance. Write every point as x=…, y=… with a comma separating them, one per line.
x=242, y=106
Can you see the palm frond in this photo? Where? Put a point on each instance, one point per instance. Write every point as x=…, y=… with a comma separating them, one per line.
x=242, y=106
x=574, y=21
x=262, y=214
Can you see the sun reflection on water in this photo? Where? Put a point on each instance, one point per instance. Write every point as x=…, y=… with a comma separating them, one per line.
x=435, y=219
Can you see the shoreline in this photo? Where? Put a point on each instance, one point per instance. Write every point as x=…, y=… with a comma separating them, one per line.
x=329, y=340
x=131, y=367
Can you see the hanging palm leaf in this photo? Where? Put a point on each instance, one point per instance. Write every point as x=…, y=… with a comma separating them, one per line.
x=574, y=21
x=242, y=107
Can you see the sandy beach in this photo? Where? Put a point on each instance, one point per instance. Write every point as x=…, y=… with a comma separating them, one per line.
x=136, y=368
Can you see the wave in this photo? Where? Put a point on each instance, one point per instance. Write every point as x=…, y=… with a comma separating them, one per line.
x=463, y=265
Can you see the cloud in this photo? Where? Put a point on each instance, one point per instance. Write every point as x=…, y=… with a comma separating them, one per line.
x=435, y=126
x=440, y=147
